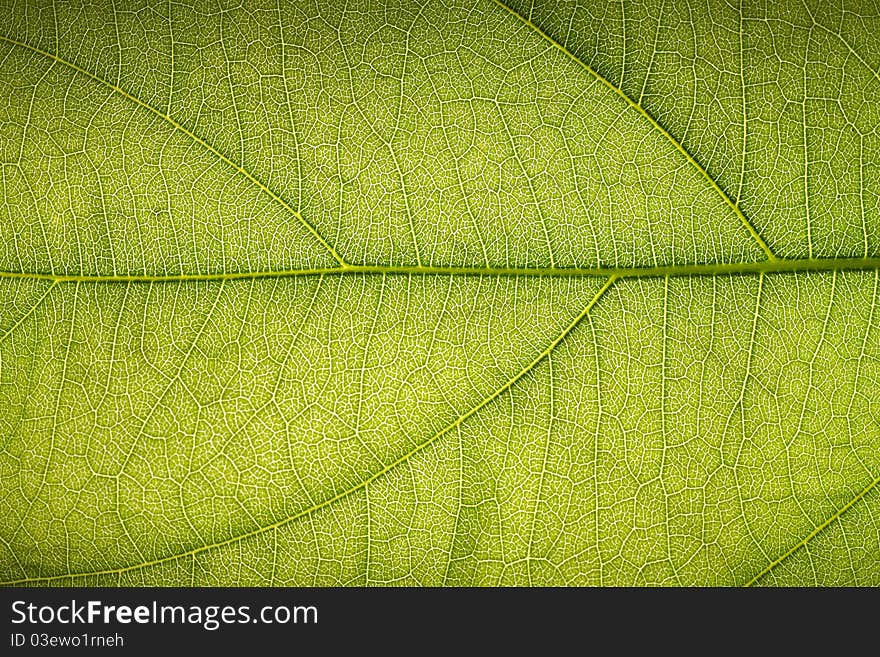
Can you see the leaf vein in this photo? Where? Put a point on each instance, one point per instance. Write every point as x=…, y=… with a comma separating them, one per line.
x=361, y=486
x=816, y=531
x=181, y=128
x=654, y=123
x=778, y=266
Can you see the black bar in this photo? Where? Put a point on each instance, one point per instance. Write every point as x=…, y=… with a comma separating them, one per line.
x=422, y=621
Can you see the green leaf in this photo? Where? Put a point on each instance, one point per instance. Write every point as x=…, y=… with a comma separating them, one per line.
x=439, y=293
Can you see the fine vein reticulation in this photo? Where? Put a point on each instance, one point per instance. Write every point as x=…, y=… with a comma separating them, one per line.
x=198, y=386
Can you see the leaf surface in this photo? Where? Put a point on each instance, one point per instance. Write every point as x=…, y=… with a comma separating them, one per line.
x=439, y=294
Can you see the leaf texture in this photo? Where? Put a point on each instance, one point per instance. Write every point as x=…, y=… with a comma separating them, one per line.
x=439, y=293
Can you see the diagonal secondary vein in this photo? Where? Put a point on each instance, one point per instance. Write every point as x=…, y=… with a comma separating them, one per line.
x=836, y=516
x=178, y=126
x=654, y=123
x=366, y=482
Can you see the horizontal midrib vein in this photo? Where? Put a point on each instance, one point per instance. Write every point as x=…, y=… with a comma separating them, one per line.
x=706, y=269
x=366, y=482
